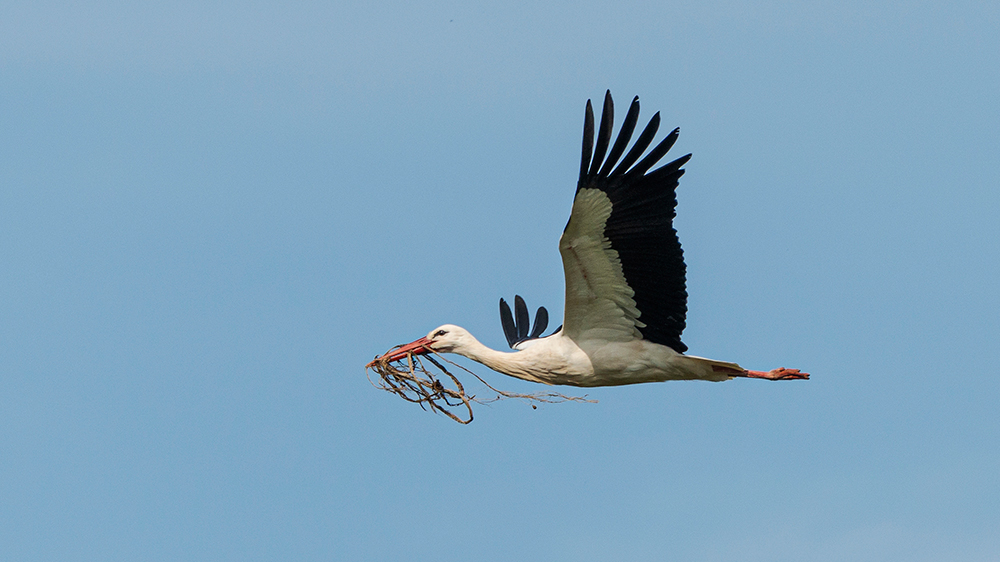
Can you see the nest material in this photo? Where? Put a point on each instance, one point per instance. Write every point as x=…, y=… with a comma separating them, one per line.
x=411, y=380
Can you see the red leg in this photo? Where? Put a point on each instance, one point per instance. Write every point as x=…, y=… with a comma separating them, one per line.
x=781, y=374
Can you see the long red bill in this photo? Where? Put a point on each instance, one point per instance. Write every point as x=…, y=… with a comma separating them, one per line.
x=419, y=347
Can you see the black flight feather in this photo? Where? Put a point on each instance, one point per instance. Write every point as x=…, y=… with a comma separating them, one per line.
x=639, y=147
x=588, y=140
x=631, y=118
x=604, y=136
x=507, y=321
x=541, y=322
x=521, y=318
x=661, y=173
x=654, y=155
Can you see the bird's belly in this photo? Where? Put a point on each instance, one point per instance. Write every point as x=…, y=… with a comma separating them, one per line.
x=640, y=361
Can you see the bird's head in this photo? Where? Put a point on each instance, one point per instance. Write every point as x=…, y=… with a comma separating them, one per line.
x=445, y=339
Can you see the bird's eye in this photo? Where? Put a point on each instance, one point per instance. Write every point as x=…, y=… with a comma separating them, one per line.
x=439, y=333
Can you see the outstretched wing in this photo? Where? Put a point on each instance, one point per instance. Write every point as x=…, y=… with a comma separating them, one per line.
x=625, y=273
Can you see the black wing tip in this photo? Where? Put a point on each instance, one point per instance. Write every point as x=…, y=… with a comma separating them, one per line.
x=507, y=322
x=541, y=322
x=592, y=165
x=521, y=318
x=604, y=132
x=515, y=325
x=588, y=141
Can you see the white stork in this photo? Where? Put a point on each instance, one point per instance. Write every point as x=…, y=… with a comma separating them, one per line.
x=625, y=289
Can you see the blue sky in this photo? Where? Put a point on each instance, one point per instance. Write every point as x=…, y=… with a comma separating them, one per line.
x=212, y=215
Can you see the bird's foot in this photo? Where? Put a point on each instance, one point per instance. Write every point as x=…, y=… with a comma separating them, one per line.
x=781, y=374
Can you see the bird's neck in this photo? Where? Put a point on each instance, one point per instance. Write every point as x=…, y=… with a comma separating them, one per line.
x=511, y=364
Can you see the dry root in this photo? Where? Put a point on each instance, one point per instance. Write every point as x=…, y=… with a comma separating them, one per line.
x=410, y=379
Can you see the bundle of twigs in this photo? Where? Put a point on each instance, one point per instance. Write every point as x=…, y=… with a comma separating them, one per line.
x=411, y=380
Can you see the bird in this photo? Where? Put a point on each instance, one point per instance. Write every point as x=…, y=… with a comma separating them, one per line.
x=626, y=295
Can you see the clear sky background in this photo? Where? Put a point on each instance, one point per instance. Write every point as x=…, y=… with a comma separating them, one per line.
x=213, y=214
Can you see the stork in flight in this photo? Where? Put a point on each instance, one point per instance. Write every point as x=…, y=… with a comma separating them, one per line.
x=625, y=289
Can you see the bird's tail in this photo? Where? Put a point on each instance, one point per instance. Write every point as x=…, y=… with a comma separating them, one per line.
x=712, y=370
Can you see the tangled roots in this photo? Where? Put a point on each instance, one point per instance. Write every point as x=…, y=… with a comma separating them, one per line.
x=410, y=379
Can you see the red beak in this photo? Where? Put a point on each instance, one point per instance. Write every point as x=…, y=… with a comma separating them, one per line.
x=419, y=347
